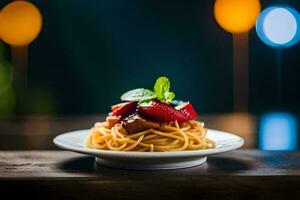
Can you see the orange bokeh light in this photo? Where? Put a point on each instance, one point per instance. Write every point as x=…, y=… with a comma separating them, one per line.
x=20, y=23
x=236, y=16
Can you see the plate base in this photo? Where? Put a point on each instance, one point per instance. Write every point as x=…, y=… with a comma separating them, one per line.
x=150, y=166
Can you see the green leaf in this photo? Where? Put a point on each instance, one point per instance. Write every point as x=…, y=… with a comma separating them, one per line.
x=145, y=102
x=161, y=86
x=161, y=89
x=139, y=94
x=169, y=96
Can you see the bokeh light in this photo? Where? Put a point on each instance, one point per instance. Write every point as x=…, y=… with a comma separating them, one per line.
x=236, y=16
x=278, y=131
x=5, y=71
x=7, y=102
x=7, y=95
x=279, y=26
x=20, y=23
x=5, y=76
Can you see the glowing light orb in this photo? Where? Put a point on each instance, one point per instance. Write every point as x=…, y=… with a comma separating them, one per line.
x=236, y=16
x=278, y=131
x=279, y=26
x=20, y=23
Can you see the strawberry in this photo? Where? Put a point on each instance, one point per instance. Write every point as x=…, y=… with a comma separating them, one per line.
x=162, y=112
x=116, y=106
x=124, y=109
x=187, y=109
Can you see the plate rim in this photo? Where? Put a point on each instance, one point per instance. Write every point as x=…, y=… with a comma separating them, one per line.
x=106, y=153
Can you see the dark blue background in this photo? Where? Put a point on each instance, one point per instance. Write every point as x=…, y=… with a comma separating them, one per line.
x=90, y=52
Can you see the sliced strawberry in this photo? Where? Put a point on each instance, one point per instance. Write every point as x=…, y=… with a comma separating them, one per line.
x=116, y=106
x=124, y=110
x=187, y=109
x=162, y=112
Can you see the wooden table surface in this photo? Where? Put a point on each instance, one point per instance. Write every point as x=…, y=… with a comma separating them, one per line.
x=29, y=169
x=240, y=174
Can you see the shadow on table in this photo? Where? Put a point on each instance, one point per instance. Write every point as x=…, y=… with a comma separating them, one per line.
x=81, y=164
x=213, y=165
x=220, y=164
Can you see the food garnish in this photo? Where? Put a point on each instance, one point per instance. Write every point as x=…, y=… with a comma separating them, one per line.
x=157, y=105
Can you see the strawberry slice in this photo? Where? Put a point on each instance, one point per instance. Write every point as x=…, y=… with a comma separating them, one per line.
x=116, y=106
x=187, y=109
x=162, y=112
x=124, y=109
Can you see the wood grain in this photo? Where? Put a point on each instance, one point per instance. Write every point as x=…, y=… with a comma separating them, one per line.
x=243, y=174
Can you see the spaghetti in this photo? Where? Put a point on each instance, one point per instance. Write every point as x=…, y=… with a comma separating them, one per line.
x=190, y=135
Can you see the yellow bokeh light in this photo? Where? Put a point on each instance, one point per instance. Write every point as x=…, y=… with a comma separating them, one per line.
x=20, y=23
x=236, y=16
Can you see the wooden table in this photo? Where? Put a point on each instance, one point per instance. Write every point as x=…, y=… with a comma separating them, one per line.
x=241, y=174
x=44, y=174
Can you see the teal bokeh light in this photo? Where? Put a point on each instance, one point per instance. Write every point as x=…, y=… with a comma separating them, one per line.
x=278, y=131
x=279, y=26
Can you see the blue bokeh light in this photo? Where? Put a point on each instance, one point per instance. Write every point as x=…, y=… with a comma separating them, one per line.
x=279, y=26
x=278, y=131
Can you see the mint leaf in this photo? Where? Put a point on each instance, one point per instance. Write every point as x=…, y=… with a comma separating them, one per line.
x=139, y=94
x=161, y=89
x=169, y=96
x=145, y=102
x=144, y=96
x=161, y=86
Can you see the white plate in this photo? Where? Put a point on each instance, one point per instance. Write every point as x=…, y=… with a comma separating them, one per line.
x=73, y=141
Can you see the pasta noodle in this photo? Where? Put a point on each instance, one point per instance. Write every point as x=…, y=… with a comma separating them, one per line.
x=190, y=135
